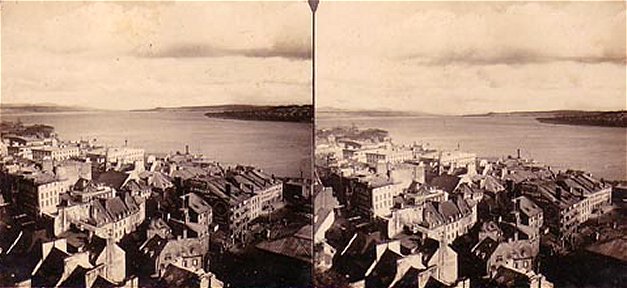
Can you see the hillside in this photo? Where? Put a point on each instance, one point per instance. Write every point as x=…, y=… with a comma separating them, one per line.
x=41, y=108
x=289, y=113
x=214, y=108
x=605, y=119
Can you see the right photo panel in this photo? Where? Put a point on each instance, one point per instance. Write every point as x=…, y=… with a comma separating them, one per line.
x=470, y=144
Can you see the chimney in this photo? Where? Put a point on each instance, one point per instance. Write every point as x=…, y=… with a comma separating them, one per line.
x=125, y=142
x=185, y=201
x=227, y=189
x=186, y=149
x=518, y=152
x=558, y=193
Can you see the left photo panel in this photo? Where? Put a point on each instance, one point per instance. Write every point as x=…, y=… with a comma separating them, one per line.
x=164, y=144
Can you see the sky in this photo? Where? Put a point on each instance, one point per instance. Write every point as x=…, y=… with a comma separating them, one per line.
x=137, y=55
x=471, y=57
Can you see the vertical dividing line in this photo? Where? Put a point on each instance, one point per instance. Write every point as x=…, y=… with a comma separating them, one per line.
x=313, y=137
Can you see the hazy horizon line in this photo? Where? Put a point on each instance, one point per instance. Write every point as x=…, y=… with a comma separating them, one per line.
x=319, y=109
x=391, y=110
x=83, y=107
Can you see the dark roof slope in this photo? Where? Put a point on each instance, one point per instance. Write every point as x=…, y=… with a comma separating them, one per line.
x=112, y=179
x=175, y=276
x=445, y=182
x=76, y=278
x=51, y=269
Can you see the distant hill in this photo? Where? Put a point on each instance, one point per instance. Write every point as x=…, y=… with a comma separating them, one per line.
x=41, y=108
x=287, y=113
x=568, y=117
x=214, y=108
x=550, y=113
x=369, y=113
x=605, y=119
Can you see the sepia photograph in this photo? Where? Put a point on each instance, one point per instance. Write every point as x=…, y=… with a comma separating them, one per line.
x=313, y=144
x=156, y=144
x=470, y=144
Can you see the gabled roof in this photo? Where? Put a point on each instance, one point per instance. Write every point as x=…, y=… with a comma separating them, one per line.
x=51, y=269
x=527, y=206
x=484, y=249
x=409, y=279
x=385, y=270
x=112, y=209
x=175, y=276
x=160, y=181
x=434, y=283
x=76, y=278
x=449, y=210
x=102, y=283
x=188, y=172
x=324, y=203
x=445, y=182
x=432, y=217
x=158, y=223
x=359, y=255
x=24, y=256
x=218, y=186
x=490, y=184
x=197, y=204
x=464, y=188
x=506, y=277
x=440, y=213
x=135, y=185
x=112, y=178
x=293, y=246
x=428, y=248
x=463, y=205
x=82, y=184
x=95, y=248
x=615, y=248
x=153, y=246
x=116, y=207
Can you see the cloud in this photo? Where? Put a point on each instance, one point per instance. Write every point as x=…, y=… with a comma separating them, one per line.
x=299, y=51
x=472, y=57
x=508, y=57
x=128, y=55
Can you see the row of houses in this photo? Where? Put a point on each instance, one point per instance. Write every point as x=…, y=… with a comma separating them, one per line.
x=489, y=219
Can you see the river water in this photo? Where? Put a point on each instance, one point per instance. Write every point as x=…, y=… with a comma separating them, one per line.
x=281, y=148
x=599, y=150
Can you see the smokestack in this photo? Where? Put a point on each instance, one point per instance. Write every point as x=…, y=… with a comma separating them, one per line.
x=518, y=152
x=125, y=142
x=186, y=149
x=228, y=189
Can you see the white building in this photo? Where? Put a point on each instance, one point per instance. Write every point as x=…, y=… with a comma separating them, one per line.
x=124, y=155
x=55, y=153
